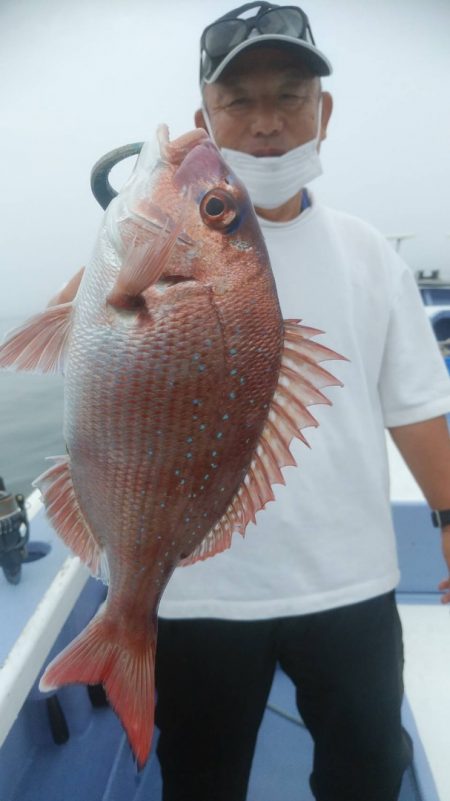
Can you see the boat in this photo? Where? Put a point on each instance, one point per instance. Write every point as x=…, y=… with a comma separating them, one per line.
x=49, y=743
x=435, y=293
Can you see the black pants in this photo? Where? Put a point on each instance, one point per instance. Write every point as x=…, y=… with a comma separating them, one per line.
x=213, y=679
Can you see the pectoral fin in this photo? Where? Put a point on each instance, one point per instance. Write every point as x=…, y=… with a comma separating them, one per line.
x=143, y=265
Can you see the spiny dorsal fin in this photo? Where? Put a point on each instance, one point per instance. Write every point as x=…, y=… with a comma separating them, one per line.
x=299, y=383
x=39, y=345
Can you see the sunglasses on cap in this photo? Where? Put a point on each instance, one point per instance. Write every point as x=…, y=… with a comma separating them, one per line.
x=223, y=36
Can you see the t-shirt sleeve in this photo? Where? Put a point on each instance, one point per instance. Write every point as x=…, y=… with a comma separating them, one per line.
x=414, y=383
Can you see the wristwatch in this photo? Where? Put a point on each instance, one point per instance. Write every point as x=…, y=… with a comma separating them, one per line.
x=440, y=518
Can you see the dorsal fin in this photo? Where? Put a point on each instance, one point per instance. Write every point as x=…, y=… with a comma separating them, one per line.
x=298, y=387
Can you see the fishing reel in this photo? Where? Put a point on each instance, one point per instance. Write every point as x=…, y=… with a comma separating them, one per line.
x=14, y=534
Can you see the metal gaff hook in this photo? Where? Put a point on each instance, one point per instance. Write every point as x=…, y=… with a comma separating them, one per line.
x=101, y=188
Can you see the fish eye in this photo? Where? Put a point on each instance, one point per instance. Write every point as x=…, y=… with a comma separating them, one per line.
x=214, y=206
x=218, y=209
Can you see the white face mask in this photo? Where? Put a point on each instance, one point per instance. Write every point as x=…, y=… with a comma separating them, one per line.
x=273, y=180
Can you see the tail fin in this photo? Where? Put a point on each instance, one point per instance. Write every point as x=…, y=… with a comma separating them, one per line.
x=124, y=663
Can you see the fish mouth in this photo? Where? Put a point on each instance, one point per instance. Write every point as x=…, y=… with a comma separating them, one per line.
x=192, y=154
x=176, y=151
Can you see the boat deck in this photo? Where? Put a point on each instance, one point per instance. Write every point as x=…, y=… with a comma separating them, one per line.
x=55, y=600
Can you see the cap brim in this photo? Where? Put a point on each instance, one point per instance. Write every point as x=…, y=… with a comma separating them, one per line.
x=310, y=55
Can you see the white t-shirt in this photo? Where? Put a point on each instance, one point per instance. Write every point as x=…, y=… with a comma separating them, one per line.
x=328, y=539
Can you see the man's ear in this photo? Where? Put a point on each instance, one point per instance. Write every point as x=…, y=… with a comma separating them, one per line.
x=199, y=120
x=327, y=108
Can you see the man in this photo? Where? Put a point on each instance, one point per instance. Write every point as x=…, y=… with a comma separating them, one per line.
x=312, y=587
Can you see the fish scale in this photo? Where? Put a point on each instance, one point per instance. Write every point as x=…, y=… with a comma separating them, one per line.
x=183, y=390
x=132, y=432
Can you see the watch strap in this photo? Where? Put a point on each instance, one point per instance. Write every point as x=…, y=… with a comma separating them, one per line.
x=440, y=518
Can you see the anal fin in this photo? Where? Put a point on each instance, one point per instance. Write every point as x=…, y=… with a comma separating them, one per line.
x=65, y=515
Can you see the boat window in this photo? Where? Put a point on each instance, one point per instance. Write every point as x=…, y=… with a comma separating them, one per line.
x=435, y=297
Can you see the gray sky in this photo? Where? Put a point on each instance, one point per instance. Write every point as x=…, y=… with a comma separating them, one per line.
x=80, y=77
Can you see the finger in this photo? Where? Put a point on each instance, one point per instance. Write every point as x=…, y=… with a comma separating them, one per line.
x=444, y=587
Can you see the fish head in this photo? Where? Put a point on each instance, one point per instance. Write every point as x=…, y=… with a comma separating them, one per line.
x=184, y=215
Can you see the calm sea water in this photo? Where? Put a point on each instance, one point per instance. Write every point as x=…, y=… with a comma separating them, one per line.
x=31, y=413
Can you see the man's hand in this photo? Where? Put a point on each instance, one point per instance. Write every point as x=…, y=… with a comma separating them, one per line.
x=425, y=448
x=444, y=586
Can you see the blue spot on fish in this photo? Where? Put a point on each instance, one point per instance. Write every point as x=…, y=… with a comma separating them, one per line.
x=233, y=351
x=232, y=395
x=189, y=439
x=189, y=455
x=202, y=426
x=225, y=416
x=233, y=371
x=201, y=368
x=219, y=435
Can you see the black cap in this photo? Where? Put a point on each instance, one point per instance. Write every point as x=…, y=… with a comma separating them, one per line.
x=285, y=26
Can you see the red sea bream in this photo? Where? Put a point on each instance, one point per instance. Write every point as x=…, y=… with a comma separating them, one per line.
x=183, y=390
